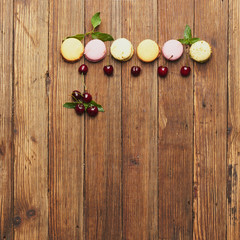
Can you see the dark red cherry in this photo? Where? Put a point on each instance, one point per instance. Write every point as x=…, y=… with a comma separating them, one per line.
x=185, y=71
x=76, y=95
x=79, y=108
x=92, y=111
x=86, y=97
x=108, y=69
x=162, y=71
x=135, y=70
x=83, y=69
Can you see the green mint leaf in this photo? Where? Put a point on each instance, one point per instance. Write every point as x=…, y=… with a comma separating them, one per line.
x=96, y=20
x=70, y=104
x=187, y=32
x=78, y=36
x=100, y=108
x=102, y=36
x=85, y=105
x=183, y=41
x=193, y=40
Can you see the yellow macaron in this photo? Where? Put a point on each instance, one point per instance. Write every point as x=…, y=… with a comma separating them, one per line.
x=122, y=49
x=72, y=49
x=148, y=50
x=200, y=51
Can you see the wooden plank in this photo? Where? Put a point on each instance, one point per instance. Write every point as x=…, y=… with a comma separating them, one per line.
x=6, y=163
x=210, y=123
x=233, y=172
x=103, y=159
x=175, y=128
x=66, y=163
x=139, y=127
x=30, y=120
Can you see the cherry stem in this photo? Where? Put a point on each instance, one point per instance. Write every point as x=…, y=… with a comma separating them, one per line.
x=187, y=52
x=82, y=78
x=108, y=59
x=170, y=57
x=77, y=99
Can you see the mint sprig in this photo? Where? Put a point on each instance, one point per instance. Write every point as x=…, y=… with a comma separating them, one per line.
x=102, y=36
x=71, y=105
x=96, y=21
x=188, y=39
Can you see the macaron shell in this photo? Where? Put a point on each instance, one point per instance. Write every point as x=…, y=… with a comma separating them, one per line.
x=122, y=49
x=200, y=51
x=172, y=50
x=72, y=49
x=95, y=50
x=132, y=52
x=148, y=50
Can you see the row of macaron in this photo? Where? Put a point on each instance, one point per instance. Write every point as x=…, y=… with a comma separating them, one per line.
x=122, y=49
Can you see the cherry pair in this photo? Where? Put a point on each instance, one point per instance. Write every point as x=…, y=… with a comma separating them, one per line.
x=162, y=71
x=108, y=69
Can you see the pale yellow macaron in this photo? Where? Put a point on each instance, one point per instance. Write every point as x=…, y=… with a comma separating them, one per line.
x=122, y=49
x=72, y=49
x=200, y=51
x=148, y=50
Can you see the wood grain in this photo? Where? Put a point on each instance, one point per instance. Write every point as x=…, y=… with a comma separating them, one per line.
x=162, y=162
x=103, y=159
x=233, y=167
x=175, y=128
x=6, y=76
x=66, y=129
x=139, y=127
x=210, y=123
x=30, y=120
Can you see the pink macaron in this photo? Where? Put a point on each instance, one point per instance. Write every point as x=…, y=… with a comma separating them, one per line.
x=172, y=50
x=95, y=50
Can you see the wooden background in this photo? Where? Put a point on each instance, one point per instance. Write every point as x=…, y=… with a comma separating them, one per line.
x=160, y=163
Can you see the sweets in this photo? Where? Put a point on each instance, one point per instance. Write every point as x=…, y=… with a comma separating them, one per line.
x=172, y=50
x=200, y=51
x=122, y=49
x=148, y=50
x=72, y=49
x=95, y=50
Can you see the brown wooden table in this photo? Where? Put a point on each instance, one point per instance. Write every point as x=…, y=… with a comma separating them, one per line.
x=162, y=162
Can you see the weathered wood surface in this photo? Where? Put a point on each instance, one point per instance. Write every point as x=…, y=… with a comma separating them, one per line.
x=162, y=162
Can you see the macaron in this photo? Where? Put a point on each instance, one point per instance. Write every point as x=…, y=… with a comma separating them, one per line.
x=172, y=50
x=122, y=49
x=200, y=51
x=72, y=49
x=148, y=50
x=95, y=50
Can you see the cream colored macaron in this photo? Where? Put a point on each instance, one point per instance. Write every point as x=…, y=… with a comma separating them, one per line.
x=72, y=49
x=122, y=49
x=148, y=50
x=200, y=51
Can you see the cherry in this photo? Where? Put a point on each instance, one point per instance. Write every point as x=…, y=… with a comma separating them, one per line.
x=92, y=111
x=86, y=97
x=79, y=108
x=135, y=70
x=162, y=71
x=108, y=69
x=83, y=69
x=185, y=71
x=76, y=95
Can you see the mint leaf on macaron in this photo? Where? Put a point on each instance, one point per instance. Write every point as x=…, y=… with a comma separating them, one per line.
x=78, y=36
x=96, y=20
x=187, y=32
x=188, y=39
x=102, y=36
